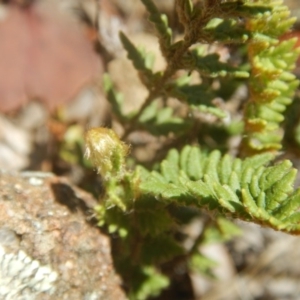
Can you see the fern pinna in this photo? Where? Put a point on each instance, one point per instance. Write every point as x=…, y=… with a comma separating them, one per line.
x=248, y=189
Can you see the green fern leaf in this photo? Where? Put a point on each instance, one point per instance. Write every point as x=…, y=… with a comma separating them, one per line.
x=161, y=121
x=289, y=206
x=218, y=30
x=170, y=166
x=234, y=182
x=114, y=98
x=148, y=282
x=281, y=189
x=161, y=24
x=211, y=166
x=225, y=169
x=193, y=167
x=209, y=65
x=247, y=189
x=272, y=85
x=134, y=54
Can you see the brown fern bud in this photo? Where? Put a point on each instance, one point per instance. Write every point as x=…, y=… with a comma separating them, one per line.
x=106, y=151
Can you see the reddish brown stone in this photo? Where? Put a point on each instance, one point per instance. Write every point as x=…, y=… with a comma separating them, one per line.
x=52, y=222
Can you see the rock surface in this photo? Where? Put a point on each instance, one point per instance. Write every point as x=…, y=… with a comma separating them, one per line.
x=50, y=247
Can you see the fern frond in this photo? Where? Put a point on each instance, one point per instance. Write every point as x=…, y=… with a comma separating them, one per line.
x=249, y=189
x=272, y=85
